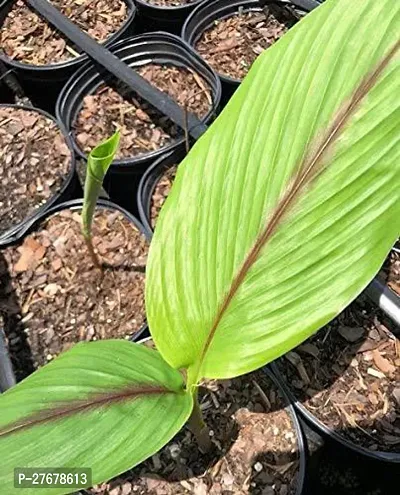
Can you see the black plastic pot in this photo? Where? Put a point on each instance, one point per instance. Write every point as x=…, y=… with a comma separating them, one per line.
x=384, y=297
x=76, y=204
x=153, y=17
x=124, y=175
x=149, y=182
x=327, y=433
x=7, y=377
x=43, y=83
x=299, y=432
x=70, y=189
x=209, y=11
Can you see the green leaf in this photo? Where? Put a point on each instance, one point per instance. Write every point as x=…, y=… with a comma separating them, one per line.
x=98, y=163
x=104, y=405
x=214, y=302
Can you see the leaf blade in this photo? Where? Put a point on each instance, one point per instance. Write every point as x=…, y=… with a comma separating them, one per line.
x=106, y=432
x=240, y=169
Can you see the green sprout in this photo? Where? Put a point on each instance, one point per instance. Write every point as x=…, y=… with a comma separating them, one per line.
x=99, y=161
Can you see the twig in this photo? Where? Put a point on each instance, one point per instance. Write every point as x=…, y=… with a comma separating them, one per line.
x=263, y=396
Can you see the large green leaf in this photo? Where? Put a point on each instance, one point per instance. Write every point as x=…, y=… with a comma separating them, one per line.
x=104, y=405
x=337, y=230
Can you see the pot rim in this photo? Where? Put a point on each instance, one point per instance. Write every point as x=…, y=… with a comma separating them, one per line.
x=13, y=234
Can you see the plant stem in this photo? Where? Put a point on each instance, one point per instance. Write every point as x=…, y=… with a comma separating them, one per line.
x=198, y=427
x=93, y=255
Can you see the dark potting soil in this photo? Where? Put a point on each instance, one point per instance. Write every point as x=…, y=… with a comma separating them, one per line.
x=34, y=163
x=28, y=38
x=348, y=376
x=160, y=193
x=255, y=448
x=232, y=44
x=391, y=269
x=143, y=128
x=169, y=3
x=58, y=298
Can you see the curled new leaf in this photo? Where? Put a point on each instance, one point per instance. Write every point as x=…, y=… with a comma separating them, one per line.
x=98, y=163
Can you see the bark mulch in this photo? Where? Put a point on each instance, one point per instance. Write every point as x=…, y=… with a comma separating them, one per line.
x=348, y=376
x=160, y=194
x=143, y=128
x=34, y=163
x=255, y=449
x=169, y=3
x=391, y=269
x=56, y=296
x=231, y=45
x=28, y=38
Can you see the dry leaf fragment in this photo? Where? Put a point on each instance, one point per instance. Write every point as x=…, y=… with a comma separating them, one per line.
x=351, y=334
x=310, y=349
x=375, y=373
x=382, y=363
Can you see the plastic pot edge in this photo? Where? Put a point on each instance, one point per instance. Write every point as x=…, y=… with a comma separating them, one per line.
x=249, y=5
x=386, y=299
x=136, y=41
x=326, y=432
x=76, y=62
x=174, y=8
x=74, y=204
x=15, y=233
x=144, y=193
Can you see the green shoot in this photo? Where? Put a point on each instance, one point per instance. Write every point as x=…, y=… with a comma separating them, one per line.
x=99, y=160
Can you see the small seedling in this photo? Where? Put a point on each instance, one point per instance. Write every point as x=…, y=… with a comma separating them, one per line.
x=98, y=163
x=279, y=217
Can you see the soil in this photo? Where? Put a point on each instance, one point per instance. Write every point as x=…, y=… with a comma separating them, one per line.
x=160, y=193
x=169, y=3
x=53, y=296
x=28, y=38
x=143, y=128
x=348, y=376
x=232, y=44
x=34, y=163
x=255, y=448
x=391, y=269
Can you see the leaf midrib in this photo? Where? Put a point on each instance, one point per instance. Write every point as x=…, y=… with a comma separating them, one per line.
x=312, y=164
x=83, y=405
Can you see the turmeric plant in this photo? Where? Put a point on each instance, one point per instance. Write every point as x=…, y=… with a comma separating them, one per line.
x=279, y=217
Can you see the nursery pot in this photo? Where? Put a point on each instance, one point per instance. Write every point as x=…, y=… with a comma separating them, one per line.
x=70, y=188
x=328, y=433
x=152, y=17
x=386, y=297
x=26, y=357
x=124, y=175
x=208, y=12
x=301, y=443
x=43, y=83
x=149, y=183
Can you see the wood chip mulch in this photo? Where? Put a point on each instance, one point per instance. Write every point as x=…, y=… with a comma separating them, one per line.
x=53, y=296
x=143, y=128
x=34, y=163
x=160, y=194
x=255, y=449
x=169, y=3
x=348, y=376
x=232, y=44
x=391, y=269
x=28, y=38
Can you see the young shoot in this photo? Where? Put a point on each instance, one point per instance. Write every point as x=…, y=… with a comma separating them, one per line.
x=99, y=160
